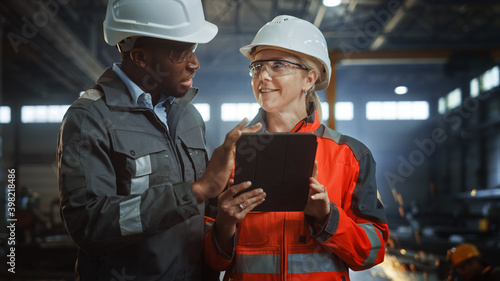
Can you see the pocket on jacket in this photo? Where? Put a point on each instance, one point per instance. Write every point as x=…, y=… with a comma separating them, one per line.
x=192, y=142
x=134, y=151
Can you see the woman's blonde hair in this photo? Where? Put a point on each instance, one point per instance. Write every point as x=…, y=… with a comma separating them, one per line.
x=311, y=96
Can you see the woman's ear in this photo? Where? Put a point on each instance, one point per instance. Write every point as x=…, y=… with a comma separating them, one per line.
x=311, y=77
x=140, y=57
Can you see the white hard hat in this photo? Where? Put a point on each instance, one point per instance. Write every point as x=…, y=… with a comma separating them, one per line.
x=295, y=35
x=177, y=20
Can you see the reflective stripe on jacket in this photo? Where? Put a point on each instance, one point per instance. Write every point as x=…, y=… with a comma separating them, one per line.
x=291, y=246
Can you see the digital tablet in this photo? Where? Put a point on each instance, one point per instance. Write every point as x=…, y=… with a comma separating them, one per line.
x=280, y=164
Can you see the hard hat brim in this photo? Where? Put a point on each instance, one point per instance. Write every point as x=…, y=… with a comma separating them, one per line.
x=248, y=52
x=203, y=35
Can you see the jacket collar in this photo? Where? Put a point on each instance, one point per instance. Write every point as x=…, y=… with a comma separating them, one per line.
x=308, y=124
x=114, y=91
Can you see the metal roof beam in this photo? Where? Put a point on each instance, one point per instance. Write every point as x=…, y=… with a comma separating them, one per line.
x=402, y=56
x=50, y=27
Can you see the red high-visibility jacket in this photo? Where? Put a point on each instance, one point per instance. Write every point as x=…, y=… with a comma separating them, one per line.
x=290, y=245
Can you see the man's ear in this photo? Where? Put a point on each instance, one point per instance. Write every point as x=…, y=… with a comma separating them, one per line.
x=140, y=57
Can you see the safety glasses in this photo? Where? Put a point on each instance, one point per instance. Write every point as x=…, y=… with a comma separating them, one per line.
x=274, y=68
x=177, y=56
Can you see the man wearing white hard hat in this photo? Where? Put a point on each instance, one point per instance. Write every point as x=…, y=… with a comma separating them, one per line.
x=134, y=176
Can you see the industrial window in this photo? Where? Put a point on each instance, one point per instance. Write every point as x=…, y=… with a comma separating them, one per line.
x=55, y=113
x=238, y=111
x=485, y=82
x=474, y=87
x=490, y=79
x=43, y=113
x=397, y=110
x=204, y=109
x=4, y=114
x=442, y=105
x=344, y=110
x=452, y=100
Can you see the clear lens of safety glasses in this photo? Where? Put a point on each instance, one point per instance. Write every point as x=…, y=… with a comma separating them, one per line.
x=182, y=56
x=274, y=68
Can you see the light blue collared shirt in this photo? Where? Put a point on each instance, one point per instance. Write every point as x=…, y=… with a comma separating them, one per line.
x=141, y=98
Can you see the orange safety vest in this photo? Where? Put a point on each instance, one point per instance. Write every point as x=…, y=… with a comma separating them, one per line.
x=291, y=246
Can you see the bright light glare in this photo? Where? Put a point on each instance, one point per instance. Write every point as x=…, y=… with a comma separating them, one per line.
x=442, y=105
x=401, y=90
x=4, y=114
x=344, y=110
x=325, y=110
x=238, y=111
x=454, y=99
x=474, y=87
x=420, y=110
x=491, y=78
x=43, y=113
x=331, y=3
x=393, y=110
x=204, y=109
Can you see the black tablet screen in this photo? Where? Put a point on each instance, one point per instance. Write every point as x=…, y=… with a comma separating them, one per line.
x=280, y=164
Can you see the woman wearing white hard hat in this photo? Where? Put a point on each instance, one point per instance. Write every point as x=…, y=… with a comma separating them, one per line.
x=343, y=224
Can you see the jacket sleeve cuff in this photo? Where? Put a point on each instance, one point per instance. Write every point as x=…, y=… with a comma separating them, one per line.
x=219, y=251
x=186, y=202
x=322, y=232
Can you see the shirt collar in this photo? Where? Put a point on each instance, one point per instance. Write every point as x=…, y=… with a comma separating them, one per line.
x=134, y=90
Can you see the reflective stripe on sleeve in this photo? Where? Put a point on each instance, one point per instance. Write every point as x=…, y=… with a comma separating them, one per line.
x=266, y=264
x=130, y=216
x=315, y=262
x=371, y=233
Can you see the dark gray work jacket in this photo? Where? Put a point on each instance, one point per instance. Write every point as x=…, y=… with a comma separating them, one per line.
x=125, y=186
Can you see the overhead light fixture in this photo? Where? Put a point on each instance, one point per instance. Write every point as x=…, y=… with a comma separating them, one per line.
x=401, y=90
x=331, y=3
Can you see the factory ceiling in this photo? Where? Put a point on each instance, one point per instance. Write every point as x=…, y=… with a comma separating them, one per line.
x=54, y=47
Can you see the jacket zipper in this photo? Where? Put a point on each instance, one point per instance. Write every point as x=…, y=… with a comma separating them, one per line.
x=173, y=145
x=298, y=126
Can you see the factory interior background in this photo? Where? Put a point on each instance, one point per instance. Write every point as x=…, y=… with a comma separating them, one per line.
x=417, y=81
